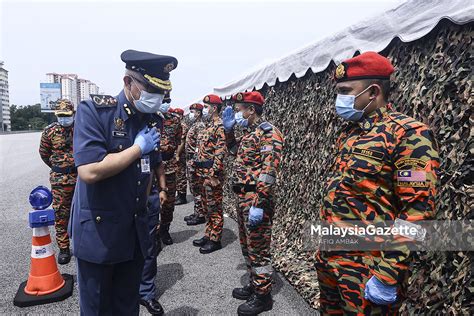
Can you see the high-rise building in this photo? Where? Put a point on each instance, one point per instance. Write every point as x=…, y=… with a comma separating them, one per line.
x=72, y=87
x=5, y=121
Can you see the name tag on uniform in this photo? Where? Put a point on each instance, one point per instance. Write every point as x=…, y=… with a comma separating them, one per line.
x=145, y=164
x=119, y=134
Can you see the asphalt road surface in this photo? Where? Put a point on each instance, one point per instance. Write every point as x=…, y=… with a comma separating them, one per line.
x=188, y=282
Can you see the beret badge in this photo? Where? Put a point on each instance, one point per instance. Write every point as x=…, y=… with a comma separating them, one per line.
x=340, y=71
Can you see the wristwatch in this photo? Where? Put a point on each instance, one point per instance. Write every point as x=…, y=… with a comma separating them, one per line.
x=165, y=189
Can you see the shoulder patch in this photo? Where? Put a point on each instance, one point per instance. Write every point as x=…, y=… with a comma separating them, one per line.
x=405, y=121
x=104, y=101
x=52, y=125
x=266, y=127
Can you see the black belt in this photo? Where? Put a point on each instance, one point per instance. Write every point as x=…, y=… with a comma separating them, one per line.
x=65, y=170
x=167, y=156
x=204, y=164
x=244, y=188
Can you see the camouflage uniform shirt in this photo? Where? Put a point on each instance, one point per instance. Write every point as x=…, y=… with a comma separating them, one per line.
x=369, y=180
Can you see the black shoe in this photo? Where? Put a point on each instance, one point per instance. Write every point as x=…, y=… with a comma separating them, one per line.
x=200, y=242
x=189, y=217
x=165, y=234
x=181, y=199
x=64, y=256
x=243, y=293
x=256, y=304
x=153, y=306
x=196, y=221
x=210, y=246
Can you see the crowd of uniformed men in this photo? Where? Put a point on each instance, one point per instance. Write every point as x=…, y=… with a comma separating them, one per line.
x=132, y=156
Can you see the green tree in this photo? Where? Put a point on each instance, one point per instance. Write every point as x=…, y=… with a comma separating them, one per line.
x=29, y=117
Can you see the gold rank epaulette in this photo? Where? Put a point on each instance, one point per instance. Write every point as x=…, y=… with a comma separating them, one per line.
x=104, y=101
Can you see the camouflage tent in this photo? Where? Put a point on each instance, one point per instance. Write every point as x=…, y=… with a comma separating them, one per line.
x=430, y=43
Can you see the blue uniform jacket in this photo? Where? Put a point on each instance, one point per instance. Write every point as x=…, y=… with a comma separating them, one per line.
x=108, y=216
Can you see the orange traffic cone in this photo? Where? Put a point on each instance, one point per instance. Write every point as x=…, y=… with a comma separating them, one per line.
x=44, y=274
x=45, y=284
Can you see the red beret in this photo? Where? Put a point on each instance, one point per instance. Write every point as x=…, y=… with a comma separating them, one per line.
x=368, y=65
x=196, y=106
x=179, y=111
x=212, y=99
x=249, y=97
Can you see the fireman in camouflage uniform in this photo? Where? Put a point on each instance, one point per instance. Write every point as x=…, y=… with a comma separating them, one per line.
x=56, y=151
x=181, y=181
x=198, y=217
x=258, y=155
x=385, y=170
x=209, y=167
x=170, y=139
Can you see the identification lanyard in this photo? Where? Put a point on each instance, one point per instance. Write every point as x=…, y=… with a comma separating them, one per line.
x=145, y=164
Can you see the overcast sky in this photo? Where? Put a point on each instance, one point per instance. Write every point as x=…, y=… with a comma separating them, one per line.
x=215, y=42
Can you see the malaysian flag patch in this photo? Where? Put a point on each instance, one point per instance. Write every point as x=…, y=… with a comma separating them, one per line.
x=411, y=178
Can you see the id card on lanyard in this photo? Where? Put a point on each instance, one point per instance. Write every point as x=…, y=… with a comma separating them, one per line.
x=145, y=164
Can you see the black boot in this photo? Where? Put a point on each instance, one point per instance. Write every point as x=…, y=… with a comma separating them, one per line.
x=180, y=199
x=165, y=234
x=64, y=256
x=200, y=242
x=153, y=306
x=256, y=304
x=243, y=293
x=189, y=217
x=210, y=246
x=197, y=220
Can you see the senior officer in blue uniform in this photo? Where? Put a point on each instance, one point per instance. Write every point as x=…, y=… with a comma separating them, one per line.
x=116, y=149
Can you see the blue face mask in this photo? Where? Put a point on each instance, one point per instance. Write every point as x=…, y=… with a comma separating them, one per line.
x=164, y=107
x=148, y=102
x=239, y=119
x=345, y=106
x=66, y=121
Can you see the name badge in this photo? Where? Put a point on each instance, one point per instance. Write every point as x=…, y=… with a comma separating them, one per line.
x=119, y=134
x=145, y=164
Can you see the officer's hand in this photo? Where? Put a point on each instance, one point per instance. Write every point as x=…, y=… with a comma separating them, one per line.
x=255, y=216
x=177, y=158
x=147, y=139
x=228, y=118
x=163, y=197
x=379, y=293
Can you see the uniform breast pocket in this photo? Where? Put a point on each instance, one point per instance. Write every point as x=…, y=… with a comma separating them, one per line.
x=119, y=144
x=364, y=165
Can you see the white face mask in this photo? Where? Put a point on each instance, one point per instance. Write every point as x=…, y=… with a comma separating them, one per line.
x=66, y=121
x=240, y=120
x=191, y=116
x=148, y=102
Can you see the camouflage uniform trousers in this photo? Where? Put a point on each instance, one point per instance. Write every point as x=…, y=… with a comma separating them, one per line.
x=255, y=244
x=62, y=188
x=181, y=180
x=212, y=203
x=195, y=186
x=167, y=209
x=342, y=282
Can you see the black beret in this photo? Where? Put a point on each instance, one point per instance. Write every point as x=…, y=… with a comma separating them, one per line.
x=155, y=69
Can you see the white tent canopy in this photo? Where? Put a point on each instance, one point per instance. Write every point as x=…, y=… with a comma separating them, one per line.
x=409, y=21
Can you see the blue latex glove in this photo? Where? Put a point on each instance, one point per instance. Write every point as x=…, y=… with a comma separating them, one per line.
x=255, y=216
x=379, y=293
x=228, y=118
x=148, y=139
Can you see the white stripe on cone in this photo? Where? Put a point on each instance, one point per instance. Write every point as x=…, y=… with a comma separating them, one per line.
x=41, y=231
x=41, y=252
